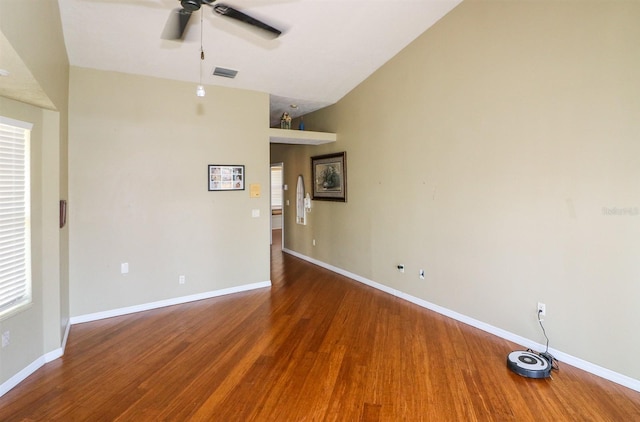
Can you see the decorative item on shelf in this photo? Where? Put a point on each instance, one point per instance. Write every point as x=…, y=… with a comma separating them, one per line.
x=285, y=121
x=301, y=124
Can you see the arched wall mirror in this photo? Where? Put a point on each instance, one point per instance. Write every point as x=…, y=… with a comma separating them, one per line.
x=300, y=209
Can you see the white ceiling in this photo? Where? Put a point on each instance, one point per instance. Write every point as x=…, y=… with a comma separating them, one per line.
x=327, y=47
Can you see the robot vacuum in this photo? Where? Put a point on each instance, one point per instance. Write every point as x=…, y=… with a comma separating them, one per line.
x=529, y=364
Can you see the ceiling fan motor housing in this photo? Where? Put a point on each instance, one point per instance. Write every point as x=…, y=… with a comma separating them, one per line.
x=191, y=5
x=179, y=18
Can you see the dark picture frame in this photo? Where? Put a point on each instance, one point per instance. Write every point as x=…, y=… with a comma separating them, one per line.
x=329, y=177
x=225, y=177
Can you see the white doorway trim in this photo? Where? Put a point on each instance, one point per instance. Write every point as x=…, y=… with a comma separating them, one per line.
x=280, y=195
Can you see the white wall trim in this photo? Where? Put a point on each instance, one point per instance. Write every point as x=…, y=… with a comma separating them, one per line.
x=16, y=123
x=53, y=355
x=605, y=373
x=35, y=365
x=66, y=335
x=21, y=376
x=167, y=302
x=57, y=353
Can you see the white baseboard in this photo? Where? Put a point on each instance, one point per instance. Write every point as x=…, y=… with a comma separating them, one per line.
x=35, y=365
x=22, y=375
x=605, y=373
x=57, y=353
x=167, y=302
x=66, y=335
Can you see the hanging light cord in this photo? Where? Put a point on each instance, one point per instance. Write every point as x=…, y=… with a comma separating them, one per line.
x=201, y=48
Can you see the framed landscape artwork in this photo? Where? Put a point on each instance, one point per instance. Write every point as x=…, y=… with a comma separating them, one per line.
x=329, y=175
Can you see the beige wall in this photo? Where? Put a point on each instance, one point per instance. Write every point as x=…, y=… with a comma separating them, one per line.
x=34, y=31
x=485, y=153
x=26, y=328
x=138, y=154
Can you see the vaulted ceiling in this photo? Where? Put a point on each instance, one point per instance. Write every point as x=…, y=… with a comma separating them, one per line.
x=327, y=47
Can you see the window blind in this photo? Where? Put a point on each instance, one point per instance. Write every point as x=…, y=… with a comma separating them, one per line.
x=15, y=254
x=276, y=187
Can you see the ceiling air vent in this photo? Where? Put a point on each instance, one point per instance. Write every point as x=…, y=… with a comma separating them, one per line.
x=225, y=73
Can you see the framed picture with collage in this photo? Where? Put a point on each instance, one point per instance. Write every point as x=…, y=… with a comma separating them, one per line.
x=226, y=177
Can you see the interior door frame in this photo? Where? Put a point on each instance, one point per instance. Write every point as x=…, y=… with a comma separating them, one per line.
x=282, y=190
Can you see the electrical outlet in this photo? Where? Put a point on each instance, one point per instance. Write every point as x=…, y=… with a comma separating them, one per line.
x=6, y=338
x=542, y=309
x=421, y=274
x=124, y=268
x=182, y=279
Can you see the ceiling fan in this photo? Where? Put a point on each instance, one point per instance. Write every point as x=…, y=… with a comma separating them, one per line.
x=179, y=18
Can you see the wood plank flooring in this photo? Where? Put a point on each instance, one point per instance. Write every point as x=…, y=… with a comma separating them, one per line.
x=314, y=347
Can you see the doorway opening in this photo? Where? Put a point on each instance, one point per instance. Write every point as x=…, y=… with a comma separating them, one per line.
x=277, y=203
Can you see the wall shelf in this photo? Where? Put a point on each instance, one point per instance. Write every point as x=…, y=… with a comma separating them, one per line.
x=300, y=137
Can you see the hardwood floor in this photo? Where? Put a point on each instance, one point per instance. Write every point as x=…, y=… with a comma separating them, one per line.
x=315, y=347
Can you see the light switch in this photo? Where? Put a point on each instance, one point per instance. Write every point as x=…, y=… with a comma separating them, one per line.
x=255, y=213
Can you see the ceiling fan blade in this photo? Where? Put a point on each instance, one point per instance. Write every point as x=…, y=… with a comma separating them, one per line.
x=224, y=10
x=176, y=24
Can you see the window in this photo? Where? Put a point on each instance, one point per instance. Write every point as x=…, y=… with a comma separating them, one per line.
x=276, y=187
x=15, y=235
